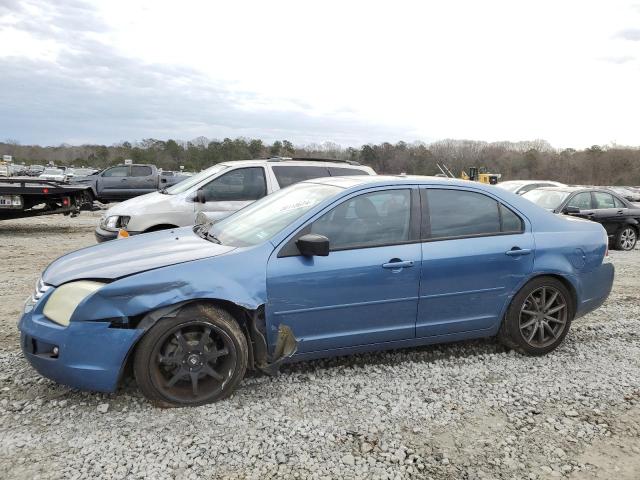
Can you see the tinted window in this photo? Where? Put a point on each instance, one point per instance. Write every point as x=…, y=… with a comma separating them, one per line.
x=511, y=222
x=581, y=201
x=456, y=213
x=122, y=171
x=340, y=171
x=140, y=171
x=603, y=200
x=379, y=218
x=237, y=185
x=290, y=174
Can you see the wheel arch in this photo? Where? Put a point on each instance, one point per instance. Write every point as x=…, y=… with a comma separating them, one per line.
x=251, y=322
x=160, y=226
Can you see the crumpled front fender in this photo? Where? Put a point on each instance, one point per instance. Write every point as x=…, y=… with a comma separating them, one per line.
x=238, y=277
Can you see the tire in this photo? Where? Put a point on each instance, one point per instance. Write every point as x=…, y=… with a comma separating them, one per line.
x=198, y=357
x=626, y=238
x=528, y=316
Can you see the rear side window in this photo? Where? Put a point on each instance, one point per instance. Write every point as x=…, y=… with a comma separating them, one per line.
x=344, y=172
x=604, y=200
x=510, y=222
x=290, y=174
x=140, y=171
x=458, y=213
x=618, y=203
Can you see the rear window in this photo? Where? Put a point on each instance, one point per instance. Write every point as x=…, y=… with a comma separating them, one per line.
x=290, y=174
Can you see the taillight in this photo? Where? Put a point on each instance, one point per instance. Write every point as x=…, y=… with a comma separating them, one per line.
x=65, y=201
x=45, y=190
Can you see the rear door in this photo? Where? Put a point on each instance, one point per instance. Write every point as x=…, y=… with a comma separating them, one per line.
x=143, y=180
x=475, y=253
x=113, y=183
x=232, y=190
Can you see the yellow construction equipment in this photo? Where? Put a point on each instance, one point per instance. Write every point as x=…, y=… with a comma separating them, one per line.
x=473, y=174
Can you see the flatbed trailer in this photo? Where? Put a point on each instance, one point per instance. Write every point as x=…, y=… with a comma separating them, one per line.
x=22, y=197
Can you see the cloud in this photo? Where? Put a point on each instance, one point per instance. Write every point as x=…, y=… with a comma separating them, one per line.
x=618, y=60
x=91, y=93
x=631, y=34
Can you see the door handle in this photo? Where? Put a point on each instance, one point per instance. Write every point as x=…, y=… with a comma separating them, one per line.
x=397, y=264
x=620, y=212
x=123, y=180
x=518, y=252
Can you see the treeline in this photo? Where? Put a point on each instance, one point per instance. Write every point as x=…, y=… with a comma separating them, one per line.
x=598, y=165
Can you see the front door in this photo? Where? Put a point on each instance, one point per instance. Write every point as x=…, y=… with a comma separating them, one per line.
x=366, y=290
x=114, y=182
x=232, y=191
x=476, y=252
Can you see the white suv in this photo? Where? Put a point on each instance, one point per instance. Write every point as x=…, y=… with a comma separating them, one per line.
x=218, y=191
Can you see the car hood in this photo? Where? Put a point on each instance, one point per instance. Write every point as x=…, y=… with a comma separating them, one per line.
x=120, y=258
x=154, y=202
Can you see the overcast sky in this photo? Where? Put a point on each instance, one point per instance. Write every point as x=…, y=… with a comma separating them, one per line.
x=343, y=71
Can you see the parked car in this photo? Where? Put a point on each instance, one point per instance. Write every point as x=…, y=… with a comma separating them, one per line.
x=4, y=171
x=521, y=187
x=219, y=191
x=125, y=181
x=626, y=193
x=85, y=172
x=325, y=267
x=34, y=170
x=619, y=217
x=53, y=173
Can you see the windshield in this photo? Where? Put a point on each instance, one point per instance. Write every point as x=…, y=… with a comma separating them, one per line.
x=186, y=184
x=263, y=219
x=510, y=186
x=549, y=199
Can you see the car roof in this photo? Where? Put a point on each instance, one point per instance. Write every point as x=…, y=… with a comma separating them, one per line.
x=276, y=162
x=527, y=182
x=383, y=180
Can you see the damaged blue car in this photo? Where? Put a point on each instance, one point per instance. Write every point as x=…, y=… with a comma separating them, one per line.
x=325, y=267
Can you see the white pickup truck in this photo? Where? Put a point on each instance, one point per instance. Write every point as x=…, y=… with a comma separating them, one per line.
x=219, y=191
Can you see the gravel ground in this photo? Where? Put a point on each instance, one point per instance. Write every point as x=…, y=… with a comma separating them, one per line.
x=464, y=410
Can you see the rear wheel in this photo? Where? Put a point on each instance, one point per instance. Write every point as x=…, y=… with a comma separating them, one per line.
x=198, y=357
x=626, y=238
x=539, y=317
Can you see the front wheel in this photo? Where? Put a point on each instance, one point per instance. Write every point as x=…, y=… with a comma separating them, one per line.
x=197, y=357
x=626, y=238
x=539, y=317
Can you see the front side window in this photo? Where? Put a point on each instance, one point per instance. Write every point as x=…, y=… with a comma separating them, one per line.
x=140, y=171
x=581, y=201
x=290, y=174
x=122, y=171
x=372, y=219
x=237, y=185
x=458, y=213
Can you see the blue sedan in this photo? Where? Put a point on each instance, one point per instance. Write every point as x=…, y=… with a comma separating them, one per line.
x=325, y=267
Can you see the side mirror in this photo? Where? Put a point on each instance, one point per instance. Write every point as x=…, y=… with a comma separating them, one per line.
x=312, y=244
x=570, y=210
x=200, y=196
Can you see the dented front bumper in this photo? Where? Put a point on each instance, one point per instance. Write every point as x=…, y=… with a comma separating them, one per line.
x=89, y=355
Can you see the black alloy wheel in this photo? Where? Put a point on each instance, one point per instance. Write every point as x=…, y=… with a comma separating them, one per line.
x=198, y=357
